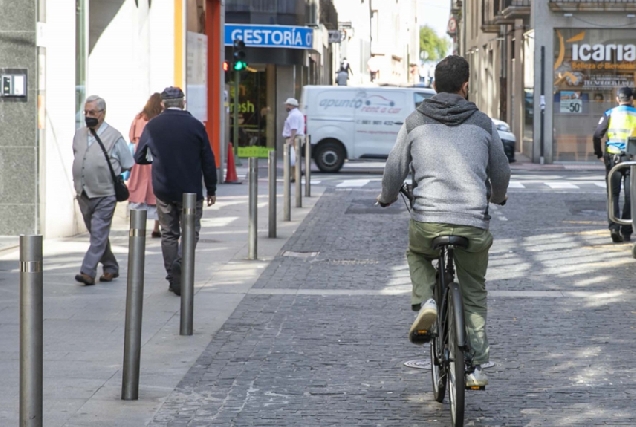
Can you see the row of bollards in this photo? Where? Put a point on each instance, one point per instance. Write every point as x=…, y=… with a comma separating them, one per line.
x=272, y=176
x=32, y=279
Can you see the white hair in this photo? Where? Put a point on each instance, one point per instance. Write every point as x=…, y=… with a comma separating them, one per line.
x=101, y=104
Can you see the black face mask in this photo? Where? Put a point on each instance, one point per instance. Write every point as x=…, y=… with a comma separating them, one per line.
x=91, y=122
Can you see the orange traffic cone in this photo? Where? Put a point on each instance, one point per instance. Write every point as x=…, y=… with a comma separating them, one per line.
x=231, y=177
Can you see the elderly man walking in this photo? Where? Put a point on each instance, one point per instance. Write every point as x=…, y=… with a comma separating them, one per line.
x=180, y=154
x=95, y=187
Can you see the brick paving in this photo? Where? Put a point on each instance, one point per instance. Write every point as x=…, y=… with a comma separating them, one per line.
x=299, y=351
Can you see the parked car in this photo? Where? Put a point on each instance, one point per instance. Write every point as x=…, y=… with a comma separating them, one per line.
x=507, y=137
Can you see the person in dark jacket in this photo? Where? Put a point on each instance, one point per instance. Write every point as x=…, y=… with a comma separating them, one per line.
x=177, y=145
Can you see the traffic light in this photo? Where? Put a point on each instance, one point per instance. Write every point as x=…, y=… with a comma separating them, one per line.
x=238, y=53
x=226, y=66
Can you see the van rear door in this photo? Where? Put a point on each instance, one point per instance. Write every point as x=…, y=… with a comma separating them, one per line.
x=379, y=120
x=330, y=113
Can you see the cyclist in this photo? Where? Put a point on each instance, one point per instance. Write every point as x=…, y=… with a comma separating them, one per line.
x=457, y=160
x=619, y=123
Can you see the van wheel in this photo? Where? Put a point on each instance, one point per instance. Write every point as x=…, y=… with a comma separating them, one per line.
x=329, y=156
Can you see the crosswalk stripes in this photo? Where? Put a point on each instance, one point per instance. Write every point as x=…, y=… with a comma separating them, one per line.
x=353, y=183
x=514, y=184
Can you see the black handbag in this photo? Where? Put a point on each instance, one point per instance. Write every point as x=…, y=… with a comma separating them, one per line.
x=121, y=191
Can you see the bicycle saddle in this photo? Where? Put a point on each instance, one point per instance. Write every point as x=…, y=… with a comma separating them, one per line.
x=440, y=241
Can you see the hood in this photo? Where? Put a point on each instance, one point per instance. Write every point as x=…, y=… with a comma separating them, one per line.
x=448, y=108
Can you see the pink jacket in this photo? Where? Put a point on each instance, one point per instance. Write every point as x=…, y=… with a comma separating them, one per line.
x=140, y=182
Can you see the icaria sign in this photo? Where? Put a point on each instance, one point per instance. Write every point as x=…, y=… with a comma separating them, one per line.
x=289, y=37
x=603, y=52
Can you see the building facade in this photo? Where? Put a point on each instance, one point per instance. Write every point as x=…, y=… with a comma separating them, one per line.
x=124, y=50
x=550, y=68
x=287, y=47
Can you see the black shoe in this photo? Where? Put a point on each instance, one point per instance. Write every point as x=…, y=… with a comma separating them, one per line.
x=175, y=277
x=616, y=236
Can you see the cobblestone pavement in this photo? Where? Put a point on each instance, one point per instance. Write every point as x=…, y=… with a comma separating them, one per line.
x=321, y=339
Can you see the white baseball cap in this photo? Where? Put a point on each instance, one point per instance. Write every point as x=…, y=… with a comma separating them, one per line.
x=292, y=101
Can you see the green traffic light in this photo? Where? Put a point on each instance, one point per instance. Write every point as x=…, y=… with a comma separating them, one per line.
x=240, y=65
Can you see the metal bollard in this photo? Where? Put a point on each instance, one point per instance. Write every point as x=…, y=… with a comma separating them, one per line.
x=272, y=176
x=299, y=174
x=134, y=304
x=187, y=264
x=307, y=166
x=252, y=230
x=286, y=183
x=31, y=331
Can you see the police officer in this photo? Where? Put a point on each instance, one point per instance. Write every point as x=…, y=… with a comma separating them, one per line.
x=619, y=124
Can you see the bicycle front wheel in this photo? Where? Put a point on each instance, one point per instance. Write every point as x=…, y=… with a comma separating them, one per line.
x=456, y=368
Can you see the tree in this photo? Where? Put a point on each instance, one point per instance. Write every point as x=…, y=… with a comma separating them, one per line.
x=431, y=43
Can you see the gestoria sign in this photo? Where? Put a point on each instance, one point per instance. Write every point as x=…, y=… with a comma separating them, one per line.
x=603, y=52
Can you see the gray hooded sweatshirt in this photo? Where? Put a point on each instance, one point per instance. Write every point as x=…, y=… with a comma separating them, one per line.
x=458, y=161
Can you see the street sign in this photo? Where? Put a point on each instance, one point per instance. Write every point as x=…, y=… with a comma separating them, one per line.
x=452, y=26
x=335, y=36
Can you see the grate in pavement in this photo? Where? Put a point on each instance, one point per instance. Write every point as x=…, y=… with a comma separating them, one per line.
x=351, y=261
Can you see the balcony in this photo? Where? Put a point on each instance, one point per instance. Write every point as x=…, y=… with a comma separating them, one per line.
x=456, y=7
x=515, y=9
x=593, y=5
x=489, y=10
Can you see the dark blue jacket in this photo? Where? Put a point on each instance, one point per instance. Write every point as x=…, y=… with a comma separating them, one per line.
x=181, y=154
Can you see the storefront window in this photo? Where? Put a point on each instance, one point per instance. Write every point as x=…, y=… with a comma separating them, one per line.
x=255, y=112
x=81, y=58
x=590, y=66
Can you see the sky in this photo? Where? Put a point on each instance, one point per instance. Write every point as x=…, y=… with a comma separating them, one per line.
x=434, y=13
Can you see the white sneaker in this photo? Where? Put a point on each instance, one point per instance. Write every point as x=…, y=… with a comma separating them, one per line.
x=478, y=378
x=425, y=318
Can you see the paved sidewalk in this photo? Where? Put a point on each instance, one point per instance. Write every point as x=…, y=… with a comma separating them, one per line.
x=321, y=338
x=84, y=326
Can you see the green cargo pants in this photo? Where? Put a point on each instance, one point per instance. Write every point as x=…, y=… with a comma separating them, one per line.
x=471, y=265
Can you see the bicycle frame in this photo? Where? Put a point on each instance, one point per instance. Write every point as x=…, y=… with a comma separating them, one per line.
x=448, y=272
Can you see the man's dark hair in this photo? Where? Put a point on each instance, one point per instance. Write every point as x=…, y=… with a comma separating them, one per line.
x=451, y=74
x=625, y=94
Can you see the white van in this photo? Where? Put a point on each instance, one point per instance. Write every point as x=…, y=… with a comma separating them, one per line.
x=356, y=122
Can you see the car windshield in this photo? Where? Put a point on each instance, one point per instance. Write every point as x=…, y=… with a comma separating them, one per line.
x=419, y=97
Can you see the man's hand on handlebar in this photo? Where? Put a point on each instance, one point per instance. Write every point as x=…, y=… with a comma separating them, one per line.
x=382, y=204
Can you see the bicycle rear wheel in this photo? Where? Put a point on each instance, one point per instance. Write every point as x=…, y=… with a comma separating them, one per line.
x=456, y=368
x=439, y=374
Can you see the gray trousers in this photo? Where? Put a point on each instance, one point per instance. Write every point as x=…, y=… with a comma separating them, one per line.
x=98, y=217
x=170, y=220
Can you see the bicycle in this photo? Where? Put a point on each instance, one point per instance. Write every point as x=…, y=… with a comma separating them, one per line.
x=449, y=345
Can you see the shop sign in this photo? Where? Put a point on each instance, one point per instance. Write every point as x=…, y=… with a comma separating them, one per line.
x=289, y=37
x=596, y=66
x=571, y=102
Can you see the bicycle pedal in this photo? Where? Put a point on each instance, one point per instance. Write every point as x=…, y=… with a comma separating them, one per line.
x=475, y=387
x=420, y=337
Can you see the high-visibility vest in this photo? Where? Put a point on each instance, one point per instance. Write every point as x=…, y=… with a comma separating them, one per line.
x=622, y=125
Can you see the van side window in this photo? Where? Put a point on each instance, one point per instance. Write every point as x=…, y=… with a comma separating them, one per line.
x=419, y=97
